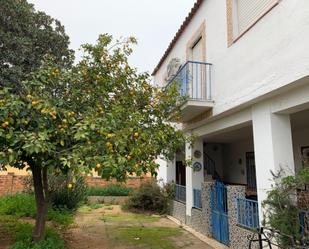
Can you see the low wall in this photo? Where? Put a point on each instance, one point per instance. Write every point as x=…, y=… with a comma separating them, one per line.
x=303, y=199
x=206, y=208
x=200, y=220
x=132, y=182
x=196, y=220
x=178, y=210
x=108, y=199
x=238, y=235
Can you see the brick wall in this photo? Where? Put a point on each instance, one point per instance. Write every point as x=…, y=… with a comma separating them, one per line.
x=12, y=183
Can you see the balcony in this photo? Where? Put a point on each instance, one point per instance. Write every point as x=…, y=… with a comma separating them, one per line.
x=194, y=82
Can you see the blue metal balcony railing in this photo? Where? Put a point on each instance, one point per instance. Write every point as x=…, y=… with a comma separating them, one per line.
x=194, y=80
x=247, y=213
x=197, y=198
x=180, y=194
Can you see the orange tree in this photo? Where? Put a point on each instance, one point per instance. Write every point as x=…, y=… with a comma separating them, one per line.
x=99, y=114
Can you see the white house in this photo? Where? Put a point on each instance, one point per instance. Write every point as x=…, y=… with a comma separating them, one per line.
x=245, y=67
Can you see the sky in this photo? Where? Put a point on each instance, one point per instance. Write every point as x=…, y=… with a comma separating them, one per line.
x=153, y=22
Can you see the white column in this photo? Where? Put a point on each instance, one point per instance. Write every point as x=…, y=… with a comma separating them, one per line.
x=189, y=181
x=194, y=179
x=272, y=145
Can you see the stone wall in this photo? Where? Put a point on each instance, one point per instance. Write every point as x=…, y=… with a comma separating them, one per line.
x=200, y=220
x=206, y=208
x=303, y=199
x=238, y=235
x=196, y=220
x=178, y=210
x=115, y=200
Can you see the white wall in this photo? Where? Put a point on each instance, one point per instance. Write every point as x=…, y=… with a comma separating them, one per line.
x=215, y=151
x=227, y=156
x=162, y=171
x=300, y=139
x=234, y=170
x=166, y=171
x=270, y=55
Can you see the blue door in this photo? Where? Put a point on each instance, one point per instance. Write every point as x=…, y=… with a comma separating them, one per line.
x=219, y=213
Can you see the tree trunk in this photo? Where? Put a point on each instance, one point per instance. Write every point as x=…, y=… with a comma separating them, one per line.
x=42, y=199
x=39, y=229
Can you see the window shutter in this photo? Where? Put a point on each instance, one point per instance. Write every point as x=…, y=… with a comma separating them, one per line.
x=248, y=11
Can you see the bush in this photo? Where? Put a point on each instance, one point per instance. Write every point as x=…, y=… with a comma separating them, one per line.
x=149, y=197
x=23, y=205
x=109, y=190
x=49, y=243
x=61, y=196
x=170, y=189
x=64, y=198
x=283, y=206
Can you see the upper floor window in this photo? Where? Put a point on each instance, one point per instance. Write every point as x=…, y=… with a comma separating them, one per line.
x=243, y=14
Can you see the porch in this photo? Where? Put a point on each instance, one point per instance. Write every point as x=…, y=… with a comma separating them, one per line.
x=229, y=157
x=226, y=160
x=226, y=157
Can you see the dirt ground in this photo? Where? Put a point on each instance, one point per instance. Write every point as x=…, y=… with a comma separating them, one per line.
x=5, y=241
x=96, y=229
x=108, y=227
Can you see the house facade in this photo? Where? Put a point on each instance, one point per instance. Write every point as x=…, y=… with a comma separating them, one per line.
x=244, y=66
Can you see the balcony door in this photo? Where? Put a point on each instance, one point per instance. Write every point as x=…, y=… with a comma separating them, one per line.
x=197, y=50
x=196, y=70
